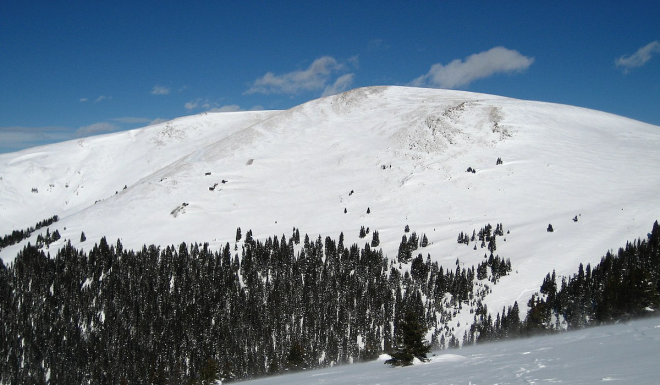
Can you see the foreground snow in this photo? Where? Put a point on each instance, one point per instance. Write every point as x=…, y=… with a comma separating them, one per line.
x=626, y=353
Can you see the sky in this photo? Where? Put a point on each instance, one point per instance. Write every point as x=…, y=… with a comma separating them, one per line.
x=78, y=68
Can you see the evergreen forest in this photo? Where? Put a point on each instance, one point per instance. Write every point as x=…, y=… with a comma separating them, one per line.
x=188, y=315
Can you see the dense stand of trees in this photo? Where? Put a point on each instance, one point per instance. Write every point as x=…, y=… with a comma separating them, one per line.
x=187, y=314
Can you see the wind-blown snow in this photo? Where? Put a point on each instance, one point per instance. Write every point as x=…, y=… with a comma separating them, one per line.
x=625, y=353
x=404, y=153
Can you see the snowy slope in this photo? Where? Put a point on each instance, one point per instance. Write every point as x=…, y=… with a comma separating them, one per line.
x=403, y=151
x=623, y=354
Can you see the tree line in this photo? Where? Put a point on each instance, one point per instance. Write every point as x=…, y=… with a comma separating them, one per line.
x=187, y=314
x=17, y=236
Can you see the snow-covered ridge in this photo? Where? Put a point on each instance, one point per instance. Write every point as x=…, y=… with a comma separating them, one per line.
x=403, y=151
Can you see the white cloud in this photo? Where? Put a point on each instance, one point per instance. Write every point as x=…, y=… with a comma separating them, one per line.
x=97, y=128
x=201, y=104
x=229, y=108
x=130, y=120
x=639, y=58
x=206, y=105
x=354, y=61
x=315, y=77
x=191, y=105
x=17, y=138
x=340, y=85
x=82, y=100
x=160, y=90
x=157, y=121
x=102, y=98
x=477, y=66
x=378, y=45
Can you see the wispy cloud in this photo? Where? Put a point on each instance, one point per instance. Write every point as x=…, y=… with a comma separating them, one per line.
x=97, y=128
x=17, y=138
x=478, y=66
x=378, y=45
x=639, y=58
x=131, y=120
x=228, y=108
x=157, y=121
x=316, y=77
x=82, y=100
x=208, y=106
x=160, y=90
x=197, y=103
x=340, y=85
x=102, y=98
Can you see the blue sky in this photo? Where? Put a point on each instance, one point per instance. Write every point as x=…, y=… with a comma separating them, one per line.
x=76, y=68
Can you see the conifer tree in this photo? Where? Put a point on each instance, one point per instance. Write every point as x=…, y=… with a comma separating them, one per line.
x=411, y=342
x=375, y=240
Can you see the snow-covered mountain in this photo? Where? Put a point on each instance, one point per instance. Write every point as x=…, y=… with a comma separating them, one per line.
x=378, y=157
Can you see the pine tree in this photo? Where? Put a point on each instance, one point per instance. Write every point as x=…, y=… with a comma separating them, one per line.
x=411, y=342
x=375, y=240
x=295, y=360
x=405, y=252
x=83, y=238
x=492, y=245
x=209, y=373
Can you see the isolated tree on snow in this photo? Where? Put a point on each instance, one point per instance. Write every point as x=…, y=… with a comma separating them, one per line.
x=83, y=238
x=411, y=343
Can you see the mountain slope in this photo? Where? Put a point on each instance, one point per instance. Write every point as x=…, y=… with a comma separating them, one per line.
x=624, y=353
x=403, y=152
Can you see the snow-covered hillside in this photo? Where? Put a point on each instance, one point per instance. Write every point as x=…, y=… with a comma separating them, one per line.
x=403, y=152
x=625, y=353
